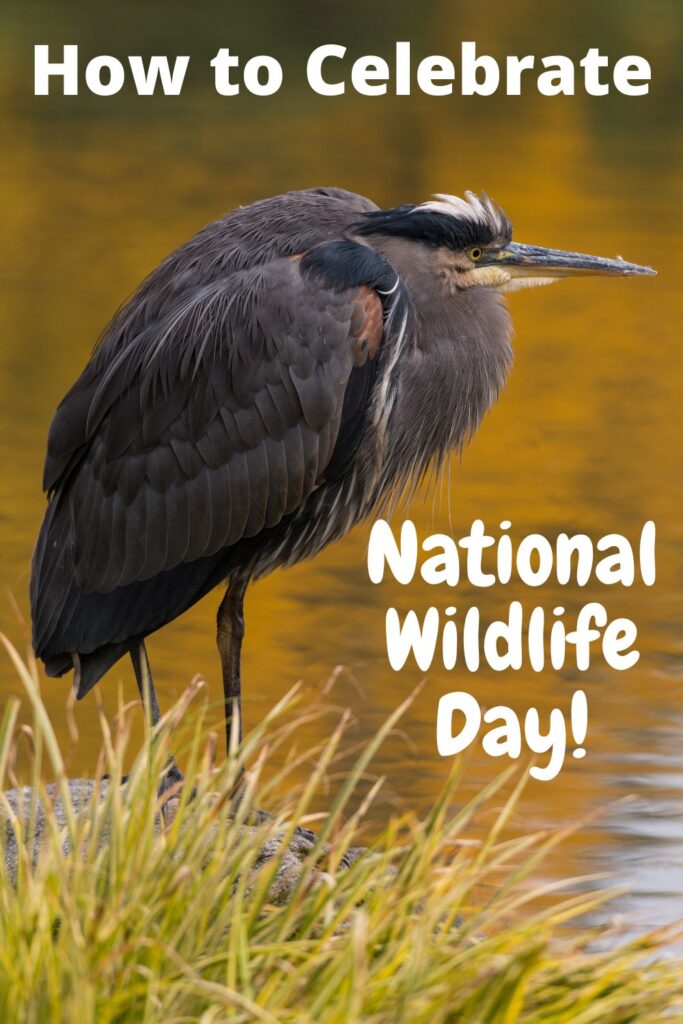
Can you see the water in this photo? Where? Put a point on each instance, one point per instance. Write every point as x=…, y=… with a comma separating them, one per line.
x=587, y=436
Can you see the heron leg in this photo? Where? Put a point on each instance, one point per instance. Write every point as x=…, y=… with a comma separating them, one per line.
x=230, y=633
x=143, y=677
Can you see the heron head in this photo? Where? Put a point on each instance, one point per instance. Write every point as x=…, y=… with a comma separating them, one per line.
x=470, y=244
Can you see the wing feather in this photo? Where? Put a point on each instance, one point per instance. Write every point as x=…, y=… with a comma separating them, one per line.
x=216, y=424
x=200, y=514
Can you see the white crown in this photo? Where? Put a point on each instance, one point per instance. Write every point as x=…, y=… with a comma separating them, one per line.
x=477, y=208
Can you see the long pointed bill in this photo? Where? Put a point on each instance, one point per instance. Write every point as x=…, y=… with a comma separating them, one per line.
x=535, y=262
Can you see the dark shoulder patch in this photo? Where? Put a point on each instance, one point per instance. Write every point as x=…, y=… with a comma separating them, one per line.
x=345, y=264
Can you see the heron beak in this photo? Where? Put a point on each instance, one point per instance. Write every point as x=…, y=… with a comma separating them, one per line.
x=533, y=261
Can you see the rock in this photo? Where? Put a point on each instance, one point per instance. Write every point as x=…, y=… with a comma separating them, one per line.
x=81, y=792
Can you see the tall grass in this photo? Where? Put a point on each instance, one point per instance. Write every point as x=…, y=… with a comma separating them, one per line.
x=214, y=912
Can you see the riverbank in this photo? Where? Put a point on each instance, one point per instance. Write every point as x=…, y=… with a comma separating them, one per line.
x=122, y=913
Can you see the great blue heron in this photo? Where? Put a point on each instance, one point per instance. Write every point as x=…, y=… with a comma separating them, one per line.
x=263, y=390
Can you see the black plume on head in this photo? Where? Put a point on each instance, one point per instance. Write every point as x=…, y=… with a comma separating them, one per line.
x=447, y=221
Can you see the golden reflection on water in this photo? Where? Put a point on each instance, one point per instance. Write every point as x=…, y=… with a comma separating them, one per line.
x=587, y=436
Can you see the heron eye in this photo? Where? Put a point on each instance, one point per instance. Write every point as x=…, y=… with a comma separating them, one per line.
x=476, y=253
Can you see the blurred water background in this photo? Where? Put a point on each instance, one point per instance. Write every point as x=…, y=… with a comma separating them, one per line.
x=587, y=438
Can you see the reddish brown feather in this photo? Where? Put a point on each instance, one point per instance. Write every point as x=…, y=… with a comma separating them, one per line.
x=366, y=325
x=367, y=321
